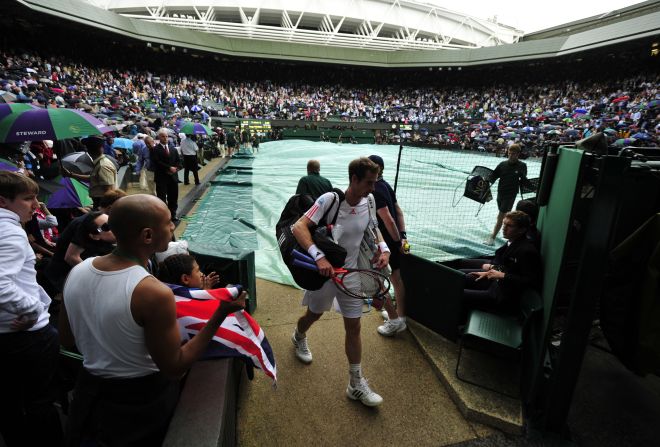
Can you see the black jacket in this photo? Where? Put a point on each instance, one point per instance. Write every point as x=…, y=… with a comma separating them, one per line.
x=162, y=162
x=521, y=263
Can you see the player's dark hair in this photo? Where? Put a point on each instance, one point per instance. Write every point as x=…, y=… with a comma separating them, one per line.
x=530, y=208
x=360, y=166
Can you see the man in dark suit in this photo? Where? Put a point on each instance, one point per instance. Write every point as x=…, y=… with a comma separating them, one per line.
x=515, y=267
x=166, y=162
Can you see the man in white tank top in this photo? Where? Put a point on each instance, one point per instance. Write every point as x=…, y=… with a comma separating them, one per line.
x=123, y=321
x=353, y=219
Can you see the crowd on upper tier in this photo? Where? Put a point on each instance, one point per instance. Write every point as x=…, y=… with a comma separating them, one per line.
x=567, y=110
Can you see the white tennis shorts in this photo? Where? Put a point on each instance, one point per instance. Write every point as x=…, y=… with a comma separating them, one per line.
x=320, y=301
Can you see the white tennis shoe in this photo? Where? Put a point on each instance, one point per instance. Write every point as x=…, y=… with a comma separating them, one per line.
x=391, y=327
x=363, y=393
x=302, y=350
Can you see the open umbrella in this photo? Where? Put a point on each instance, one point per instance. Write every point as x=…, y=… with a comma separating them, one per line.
x=123, y=143
x=78, y=162
x=48, y=124
x=581, y=111
x=652, y=104
x=554, y=132
x=195, y=108
x=642, y=136
x=572, y=132
x=73, y=194
x=7, y=96
x=7, y=109
x=624, y=142
x=6, y=165
x=196, y=129
x=621, y=98
x=609, y=131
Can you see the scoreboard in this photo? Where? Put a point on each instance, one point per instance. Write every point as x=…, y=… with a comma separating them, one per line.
x=260, y=126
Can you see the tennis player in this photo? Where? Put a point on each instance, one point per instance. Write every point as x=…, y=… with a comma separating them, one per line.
x=351, y=223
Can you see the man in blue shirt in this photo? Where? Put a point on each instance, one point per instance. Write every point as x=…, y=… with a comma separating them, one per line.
x=142, y=149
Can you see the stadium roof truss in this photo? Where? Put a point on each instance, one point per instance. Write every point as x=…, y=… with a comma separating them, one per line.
x=383, y=25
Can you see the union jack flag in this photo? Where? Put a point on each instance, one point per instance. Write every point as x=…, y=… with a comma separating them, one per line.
x=239, y=335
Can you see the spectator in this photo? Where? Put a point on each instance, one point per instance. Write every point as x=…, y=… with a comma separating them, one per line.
x=29, y=345
x=189, y=150
x=103, y=177
x=128, y=387
x=313, y=184
x=144, y=165
x=72, y=243
x=165, y=160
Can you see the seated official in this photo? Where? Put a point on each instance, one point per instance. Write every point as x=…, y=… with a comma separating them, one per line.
x=532, y=210
x=516, y=266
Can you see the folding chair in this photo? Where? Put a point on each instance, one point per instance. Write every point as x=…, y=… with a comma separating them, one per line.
x=504, y=334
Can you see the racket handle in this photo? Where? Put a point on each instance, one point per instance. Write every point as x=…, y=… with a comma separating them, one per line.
x=302, y=256
x=305, y=265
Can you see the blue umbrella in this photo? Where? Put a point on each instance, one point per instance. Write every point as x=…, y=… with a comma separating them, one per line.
x=528, y=129
x=195, y=108
x=580, y=110
x=642, y=136
x=492, y=120
x=123, y=143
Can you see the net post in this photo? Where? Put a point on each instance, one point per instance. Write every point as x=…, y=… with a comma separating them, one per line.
x=398, y=163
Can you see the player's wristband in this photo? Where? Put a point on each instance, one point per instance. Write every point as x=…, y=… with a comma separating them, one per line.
x=315, y=252
x=383, y=247
x=403, y=235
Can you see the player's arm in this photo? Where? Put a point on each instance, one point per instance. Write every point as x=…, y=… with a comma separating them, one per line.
x=153, y=307
x=301, y=231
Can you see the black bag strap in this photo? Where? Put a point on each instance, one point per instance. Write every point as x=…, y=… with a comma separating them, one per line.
x=335, y=198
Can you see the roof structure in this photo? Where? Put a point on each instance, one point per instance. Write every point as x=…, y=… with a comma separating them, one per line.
x=261, y=36
x=377, y=25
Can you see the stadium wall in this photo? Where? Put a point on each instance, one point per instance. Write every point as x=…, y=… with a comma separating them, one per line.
x=84, y=13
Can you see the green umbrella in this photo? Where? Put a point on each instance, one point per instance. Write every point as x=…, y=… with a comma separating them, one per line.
x=568, y=120
x=584, y=117
x=610, y=131
x=624, y=141
x=191, y=128
x=48, y=124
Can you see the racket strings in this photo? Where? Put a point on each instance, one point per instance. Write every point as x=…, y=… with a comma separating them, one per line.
x=365, y=284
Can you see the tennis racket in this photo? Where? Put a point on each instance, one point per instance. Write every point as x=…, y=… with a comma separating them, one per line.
x=363, y=284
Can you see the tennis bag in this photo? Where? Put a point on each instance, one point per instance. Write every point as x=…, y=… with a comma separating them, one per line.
x=296, y=206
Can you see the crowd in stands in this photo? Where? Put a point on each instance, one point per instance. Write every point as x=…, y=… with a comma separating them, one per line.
x=479, y=118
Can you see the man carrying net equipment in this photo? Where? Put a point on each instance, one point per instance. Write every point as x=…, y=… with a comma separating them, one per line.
x=352, y=221
x=512, y=173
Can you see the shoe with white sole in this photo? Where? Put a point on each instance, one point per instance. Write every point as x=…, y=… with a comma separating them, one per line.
x=364, y=394
x=391, y=327
x=302, y=350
